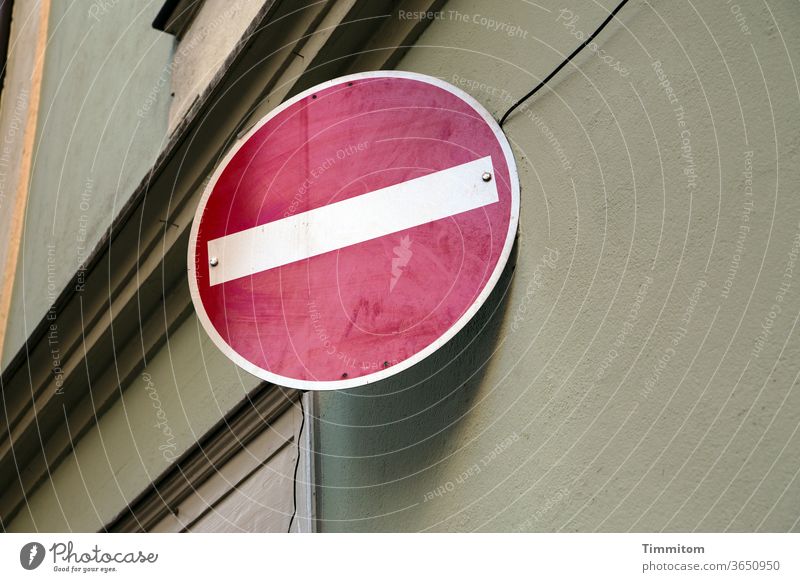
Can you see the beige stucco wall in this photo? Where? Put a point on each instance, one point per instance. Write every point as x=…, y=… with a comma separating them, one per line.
x=214, y=32
x=620, y=385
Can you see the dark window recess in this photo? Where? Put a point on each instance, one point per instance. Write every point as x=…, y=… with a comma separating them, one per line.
x=175, y=16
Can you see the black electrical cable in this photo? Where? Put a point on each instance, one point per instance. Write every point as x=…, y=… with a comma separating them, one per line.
x=297, y=462
x=563, y=63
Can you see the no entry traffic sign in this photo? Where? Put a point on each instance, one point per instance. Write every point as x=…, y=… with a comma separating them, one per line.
x=354, y=230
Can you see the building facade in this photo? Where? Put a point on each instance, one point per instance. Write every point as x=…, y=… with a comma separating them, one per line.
x=634, y=368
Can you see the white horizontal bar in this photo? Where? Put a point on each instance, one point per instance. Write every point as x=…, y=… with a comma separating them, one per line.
x=362, y=218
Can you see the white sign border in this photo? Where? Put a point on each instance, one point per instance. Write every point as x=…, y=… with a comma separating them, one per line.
x=285, y=381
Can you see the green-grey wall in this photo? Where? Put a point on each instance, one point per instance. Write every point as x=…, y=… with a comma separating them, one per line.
x=559, y=415
x=102, y=118
x=179, y=396
x=188, y=386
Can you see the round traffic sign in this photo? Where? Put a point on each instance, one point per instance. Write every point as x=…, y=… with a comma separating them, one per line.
x=354, y=230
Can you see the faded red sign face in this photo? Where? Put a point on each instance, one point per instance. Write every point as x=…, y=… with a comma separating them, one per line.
x=354, y=230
